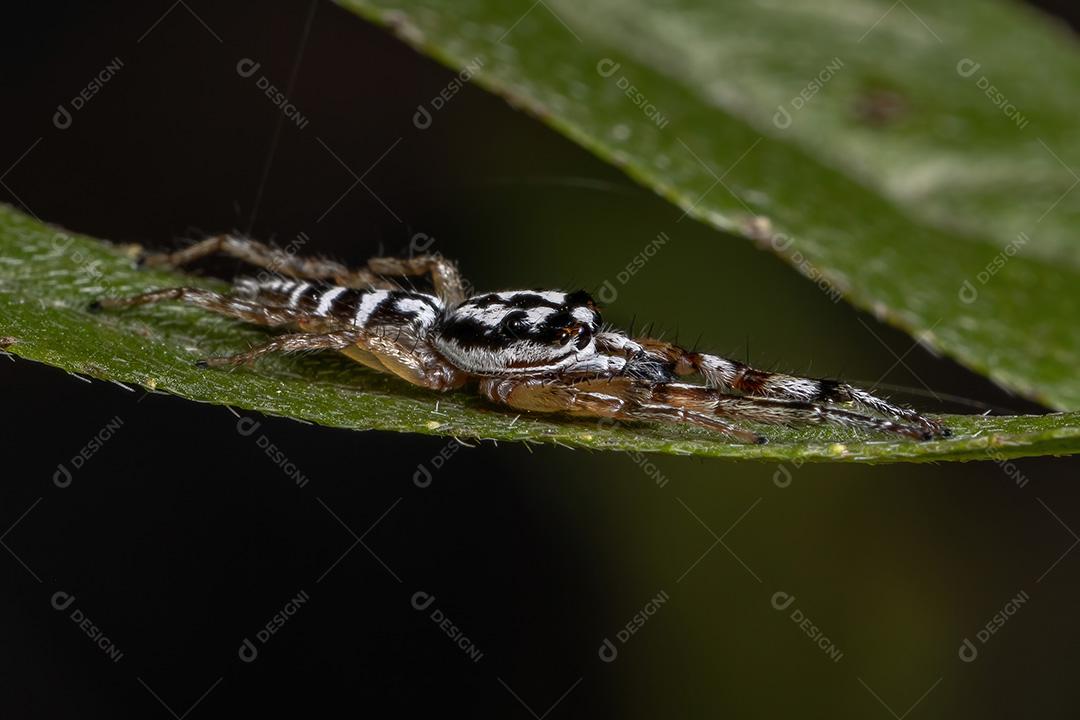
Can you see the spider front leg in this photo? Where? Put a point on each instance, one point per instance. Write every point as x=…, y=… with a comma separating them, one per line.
x=732, y=375
x=791, y=412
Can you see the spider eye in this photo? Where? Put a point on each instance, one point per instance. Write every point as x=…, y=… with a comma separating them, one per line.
x=515, y=325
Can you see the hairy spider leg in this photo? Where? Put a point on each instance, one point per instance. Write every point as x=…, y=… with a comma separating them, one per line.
x=541, y=351
x=228, y=305
x=445, y=277
x=292, y=342
x=618, y=399
x=634, y=400
x=735, y=376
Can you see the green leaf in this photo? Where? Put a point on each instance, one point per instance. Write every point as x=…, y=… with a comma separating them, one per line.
x=48, y=277
x=901, y=154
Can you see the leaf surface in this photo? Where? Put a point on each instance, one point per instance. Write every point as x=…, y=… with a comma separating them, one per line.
x=48, y=277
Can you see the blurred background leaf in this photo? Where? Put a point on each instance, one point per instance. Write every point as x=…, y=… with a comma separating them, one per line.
x=897, y=153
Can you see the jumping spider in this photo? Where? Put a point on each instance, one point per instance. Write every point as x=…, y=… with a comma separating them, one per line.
x=538, y=351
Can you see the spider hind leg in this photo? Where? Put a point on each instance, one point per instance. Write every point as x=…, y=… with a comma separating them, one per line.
x=445, y=277
x=267, y=257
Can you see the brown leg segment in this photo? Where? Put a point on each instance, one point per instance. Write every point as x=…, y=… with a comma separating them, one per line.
x=410, y=359
x=444, y=274
x=794, y=412
x=273, y=259
x=732, y=375
x=625, y=399
x=618, y=399
x=295, y=342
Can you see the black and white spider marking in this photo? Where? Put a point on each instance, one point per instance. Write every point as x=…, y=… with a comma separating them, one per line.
x=540, y=351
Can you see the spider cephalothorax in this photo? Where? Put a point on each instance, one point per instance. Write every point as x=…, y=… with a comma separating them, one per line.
x=520, y=332
x=534, y=350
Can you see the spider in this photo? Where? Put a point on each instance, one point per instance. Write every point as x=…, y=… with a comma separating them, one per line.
x=538, y=351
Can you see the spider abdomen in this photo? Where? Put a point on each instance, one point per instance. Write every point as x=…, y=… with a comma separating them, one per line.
x=362, y=308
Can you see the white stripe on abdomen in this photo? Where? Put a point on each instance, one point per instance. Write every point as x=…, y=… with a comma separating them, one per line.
x=368, y=303
x=328, y=299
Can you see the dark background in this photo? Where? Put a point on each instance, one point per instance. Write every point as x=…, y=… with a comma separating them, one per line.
x=180, y=537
